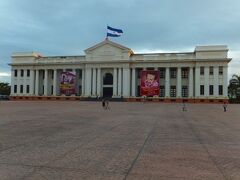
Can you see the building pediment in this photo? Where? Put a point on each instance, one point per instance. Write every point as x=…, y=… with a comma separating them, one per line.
x=107, y=51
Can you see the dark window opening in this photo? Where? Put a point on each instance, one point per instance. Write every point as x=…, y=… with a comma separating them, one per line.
x=28, y=88
x=184, y=91
x=220, y=89
x=15, y=73
x=201, y=89
x=15, y=88
x=210, y=89
x=21, y=88
x=108, y=79
x=173, y=91
x=28, y=73
x=22, y=72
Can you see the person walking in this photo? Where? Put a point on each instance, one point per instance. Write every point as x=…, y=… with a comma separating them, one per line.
x=104, y=103
x=107, y=104
x=224, y=106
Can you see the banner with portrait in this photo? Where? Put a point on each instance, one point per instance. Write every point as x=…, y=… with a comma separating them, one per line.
x=68, y=83
x=150, y=83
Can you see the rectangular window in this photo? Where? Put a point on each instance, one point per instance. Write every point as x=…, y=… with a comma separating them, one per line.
x=162, y=73
x=211, y=70
x=184, y=91
x=15, y=73
x=21, y=88
x=210, y=89
x=15, y=88
x=201, y=70
x=201, y=89
x=173, y=73
x=173, y=91
x=220, y=89
x=162, y=91
x=28, y=88
x=52, y=89
x=22, y=72
x=28, y=73
x=184, y=73
x=220, y=70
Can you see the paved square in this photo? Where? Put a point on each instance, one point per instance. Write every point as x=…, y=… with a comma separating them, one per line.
x=79, y=140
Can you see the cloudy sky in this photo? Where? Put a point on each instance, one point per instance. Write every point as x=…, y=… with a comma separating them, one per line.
x=67, y=27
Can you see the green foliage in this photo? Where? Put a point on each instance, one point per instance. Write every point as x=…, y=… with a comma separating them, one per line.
x=234, y=87
x=5, y=88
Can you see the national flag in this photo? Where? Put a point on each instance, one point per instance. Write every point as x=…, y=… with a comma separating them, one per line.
x=113, y=32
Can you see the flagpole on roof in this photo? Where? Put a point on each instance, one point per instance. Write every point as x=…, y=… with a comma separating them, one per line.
x=106, y=39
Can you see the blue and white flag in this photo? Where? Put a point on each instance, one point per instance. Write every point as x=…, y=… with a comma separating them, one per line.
x=112, y=32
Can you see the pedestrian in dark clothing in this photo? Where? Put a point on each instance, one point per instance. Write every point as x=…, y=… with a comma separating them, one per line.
x=104, y=104
x=224, y=107
x=107, y=104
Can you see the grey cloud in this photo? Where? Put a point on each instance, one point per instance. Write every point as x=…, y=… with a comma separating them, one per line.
x=63, y=27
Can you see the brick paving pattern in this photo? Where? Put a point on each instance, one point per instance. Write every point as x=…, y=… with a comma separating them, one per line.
x=42, y=140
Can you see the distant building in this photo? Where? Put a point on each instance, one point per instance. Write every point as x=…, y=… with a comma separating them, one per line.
x=110, y=69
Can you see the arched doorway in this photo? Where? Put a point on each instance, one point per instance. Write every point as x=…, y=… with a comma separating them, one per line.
x=108, y=85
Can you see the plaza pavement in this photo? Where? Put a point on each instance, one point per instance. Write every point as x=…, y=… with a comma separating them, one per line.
x=62, y=140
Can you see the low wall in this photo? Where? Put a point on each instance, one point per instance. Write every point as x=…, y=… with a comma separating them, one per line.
x=78, y=98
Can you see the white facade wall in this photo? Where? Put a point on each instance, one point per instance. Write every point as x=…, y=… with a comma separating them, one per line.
x=124, y=66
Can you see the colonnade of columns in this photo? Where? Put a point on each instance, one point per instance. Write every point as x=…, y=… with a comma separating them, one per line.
x=124, y=82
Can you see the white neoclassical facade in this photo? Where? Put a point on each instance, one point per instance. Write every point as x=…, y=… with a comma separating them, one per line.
x=108, y=68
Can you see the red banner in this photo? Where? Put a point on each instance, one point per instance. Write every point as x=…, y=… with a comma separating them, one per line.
x=150, y=83
x=68, y=83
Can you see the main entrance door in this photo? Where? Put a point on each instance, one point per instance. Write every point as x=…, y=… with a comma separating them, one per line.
x=108, y=85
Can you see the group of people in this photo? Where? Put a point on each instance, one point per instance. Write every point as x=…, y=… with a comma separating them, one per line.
x=184, y=107
x=105, y=105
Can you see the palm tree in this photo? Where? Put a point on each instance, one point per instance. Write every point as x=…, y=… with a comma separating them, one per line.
x=234, y=87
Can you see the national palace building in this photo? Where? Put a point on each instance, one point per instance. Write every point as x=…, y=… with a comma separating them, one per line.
x=109, y=69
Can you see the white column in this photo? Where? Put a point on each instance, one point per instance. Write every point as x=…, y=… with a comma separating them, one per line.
x=216, y=83
x=32, y=77
x=225, y=81
x=37, y=83
x=74, y=71
x=126, y=82
x=46, y=82
x=25, y=81
x=115, y=82
x=206, y=81
x=197, y=81
x=99, y=82
x=18, y=81
x=54, y=82
x=167, y=82
x=12, y=81
x=133, y=82
x=190, y=85
x=88, y=81
x=83, y=82
x=94, y=82
x=120, y=82
x=179, y=82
